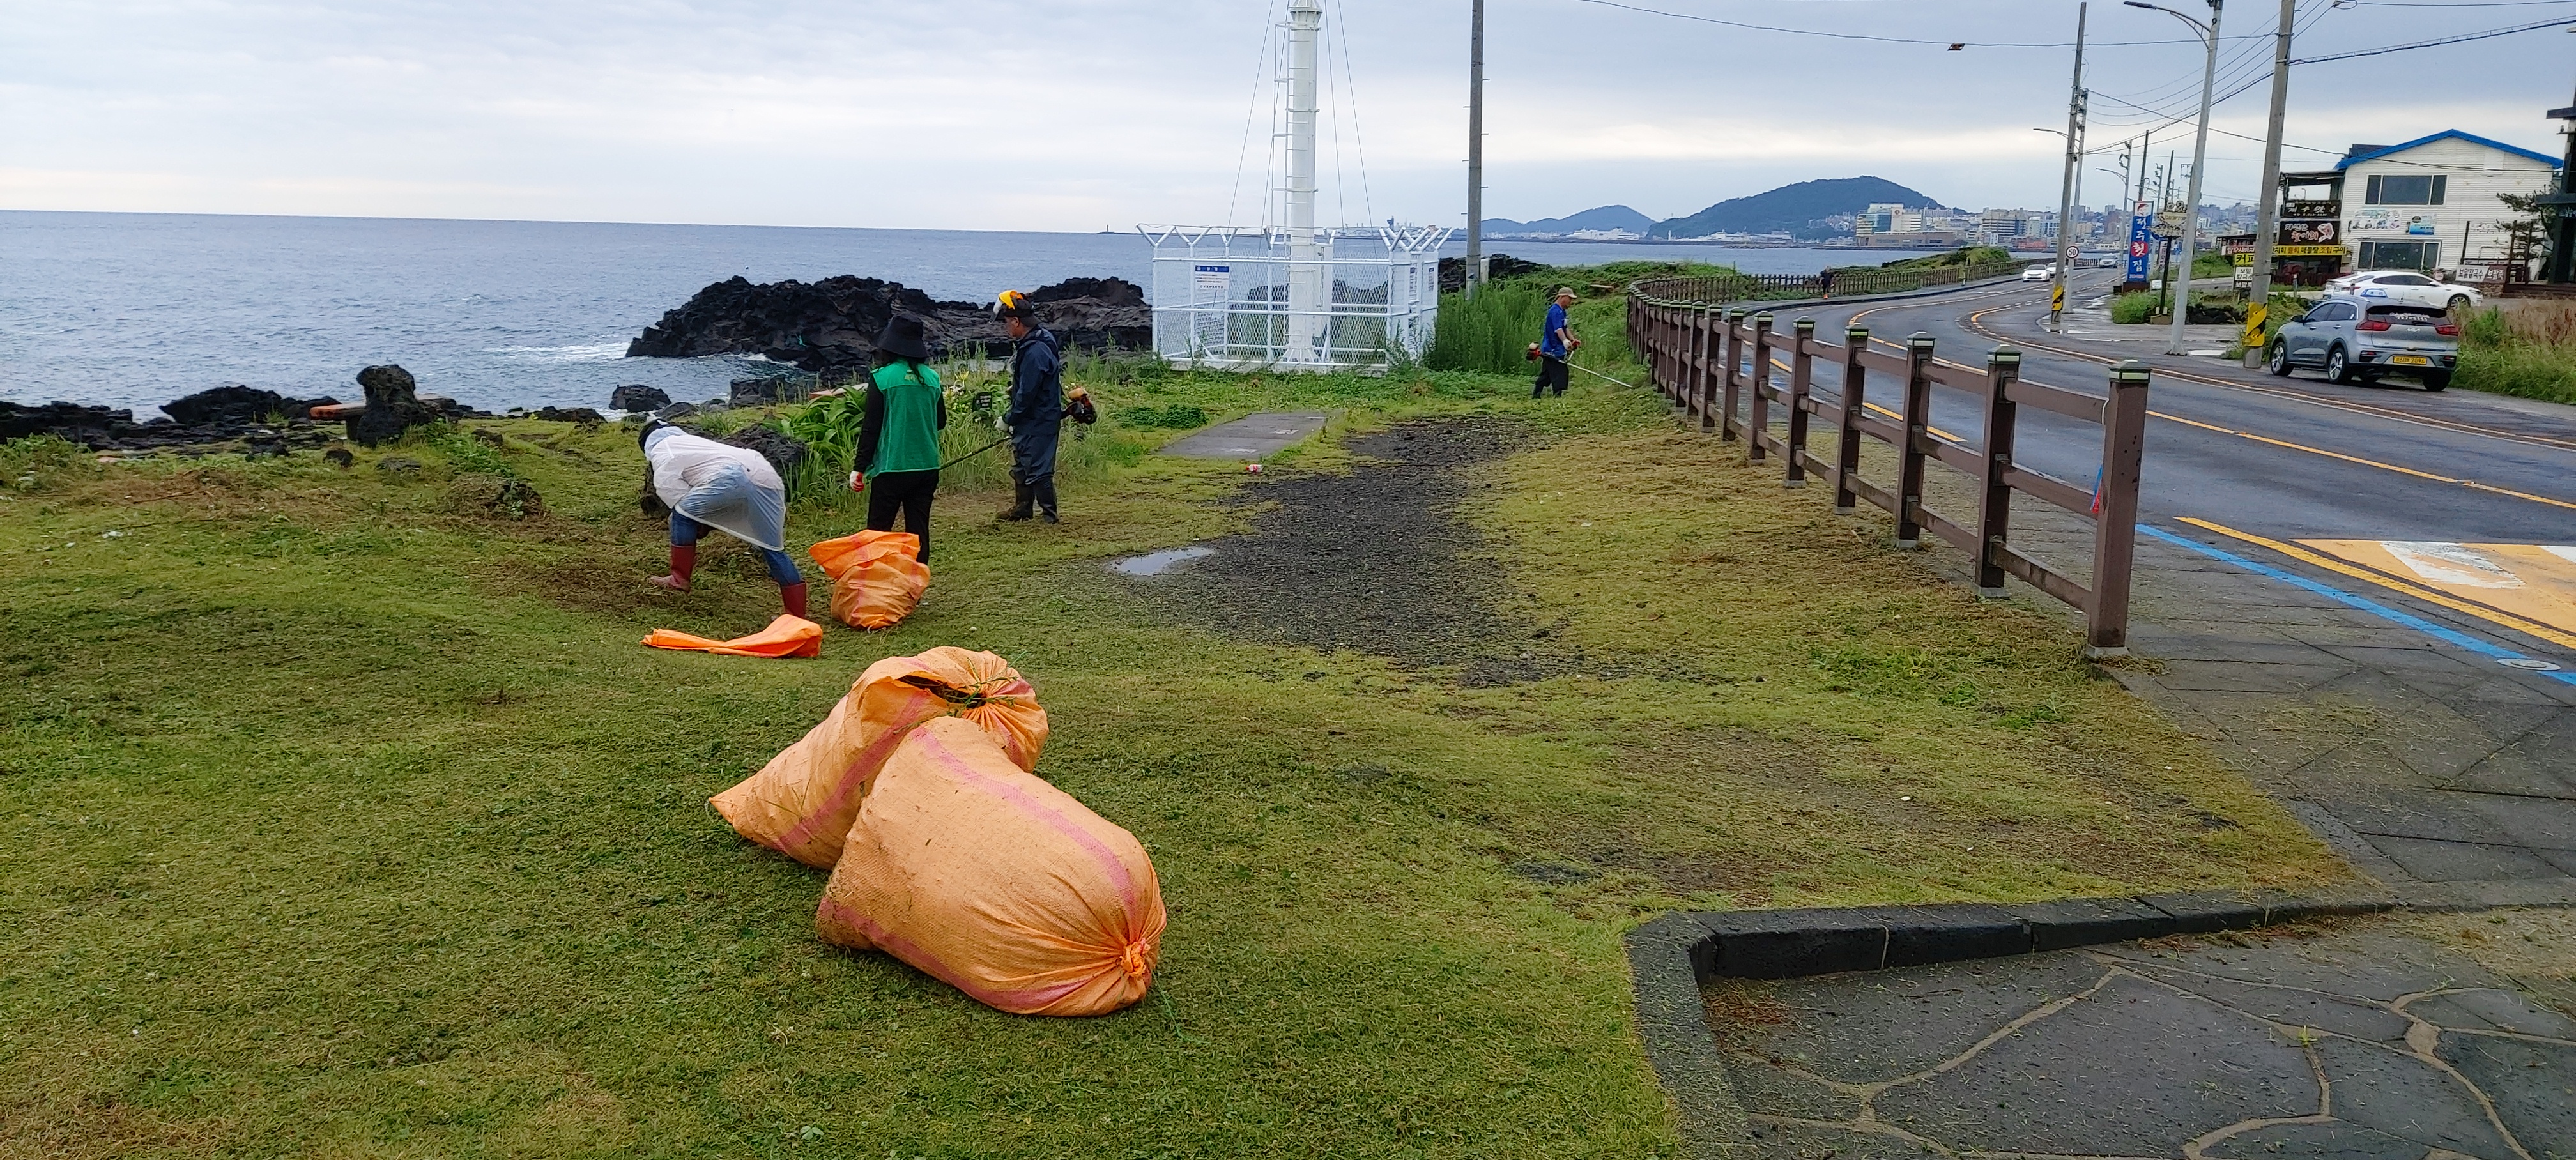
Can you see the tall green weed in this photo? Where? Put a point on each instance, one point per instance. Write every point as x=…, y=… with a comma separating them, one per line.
x=2529, y=351
x=1489, y=332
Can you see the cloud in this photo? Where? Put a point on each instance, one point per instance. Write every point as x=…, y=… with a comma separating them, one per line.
x=1013, y=114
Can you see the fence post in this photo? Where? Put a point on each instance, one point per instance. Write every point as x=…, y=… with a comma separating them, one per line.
x=1802, y=366
x=1994, y=511
x=1734, y=363
x=1705, y=345
x=1758, y=421
x=1847, y=440
x=1918, y=424
x=2124, y=445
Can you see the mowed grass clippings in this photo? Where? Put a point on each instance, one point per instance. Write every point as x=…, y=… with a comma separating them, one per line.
x=352, y=821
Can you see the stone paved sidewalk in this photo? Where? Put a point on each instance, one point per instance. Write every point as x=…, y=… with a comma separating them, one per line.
x=2371, y=1042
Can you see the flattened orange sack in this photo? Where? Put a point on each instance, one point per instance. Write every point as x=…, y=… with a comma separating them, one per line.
x=787, y=636
x=875, y=580
x=802, y=802
x=1001, y=885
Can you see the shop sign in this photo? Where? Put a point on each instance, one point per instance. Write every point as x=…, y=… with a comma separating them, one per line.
x=2310, y=231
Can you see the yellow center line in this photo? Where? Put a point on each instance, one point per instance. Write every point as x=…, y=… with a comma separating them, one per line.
x=2293, y=551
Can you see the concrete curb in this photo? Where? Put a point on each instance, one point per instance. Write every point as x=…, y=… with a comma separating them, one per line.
x=1671, y=956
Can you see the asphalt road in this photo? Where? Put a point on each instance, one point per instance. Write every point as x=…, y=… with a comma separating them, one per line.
x=2284, y=458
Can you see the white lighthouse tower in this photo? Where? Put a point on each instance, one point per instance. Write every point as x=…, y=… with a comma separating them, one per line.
x=1290, y=293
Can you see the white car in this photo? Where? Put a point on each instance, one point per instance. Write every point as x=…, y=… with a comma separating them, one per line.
x=2040, y=274
x=2404, y=288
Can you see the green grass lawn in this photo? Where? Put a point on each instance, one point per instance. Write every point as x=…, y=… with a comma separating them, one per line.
x=349, y=819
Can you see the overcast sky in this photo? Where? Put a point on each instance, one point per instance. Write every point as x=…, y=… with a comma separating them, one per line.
x=1084, y=113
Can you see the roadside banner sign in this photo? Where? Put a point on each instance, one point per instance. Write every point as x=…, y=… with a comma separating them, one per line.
x=2141, y=248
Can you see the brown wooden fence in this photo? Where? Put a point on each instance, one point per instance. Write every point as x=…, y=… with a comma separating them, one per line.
x=1716, y=364
x=1749, y=287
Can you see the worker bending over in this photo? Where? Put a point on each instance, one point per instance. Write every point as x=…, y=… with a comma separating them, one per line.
x=1037, y=406
x=732, y=489
x=899, y=426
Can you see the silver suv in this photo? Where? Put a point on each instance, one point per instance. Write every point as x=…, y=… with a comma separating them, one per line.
x=2351, y=338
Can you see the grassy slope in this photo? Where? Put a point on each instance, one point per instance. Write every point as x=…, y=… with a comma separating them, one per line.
x=352, y=825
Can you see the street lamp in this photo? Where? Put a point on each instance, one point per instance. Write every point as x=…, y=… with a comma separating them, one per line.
x=2208, y=34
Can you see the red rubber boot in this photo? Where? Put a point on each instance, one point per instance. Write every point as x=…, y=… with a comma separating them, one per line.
x=684, y=560
x=793, y=597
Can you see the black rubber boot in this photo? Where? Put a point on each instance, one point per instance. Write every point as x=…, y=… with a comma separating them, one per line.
x=1045, y=487
x=1022, y=496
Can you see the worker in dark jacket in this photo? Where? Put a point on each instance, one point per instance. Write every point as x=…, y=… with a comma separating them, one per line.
x=1037, y=406
x=899, y=426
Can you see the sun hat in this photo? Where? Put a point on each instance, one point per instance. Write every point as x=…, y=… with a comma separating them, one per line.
x=902, y=337
x=1564, y=292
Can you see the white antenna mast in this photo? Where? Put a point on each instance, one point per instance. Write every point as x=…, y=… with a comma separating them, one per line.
x=1307, y=306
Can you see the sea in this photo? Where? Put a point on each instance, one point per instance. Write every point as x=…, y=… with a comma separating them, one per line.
x=132, y=310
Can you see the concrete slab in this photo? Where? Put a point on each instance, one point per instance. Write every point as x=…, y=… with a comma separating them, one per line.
x=2356, y=1043
x=1251, y=438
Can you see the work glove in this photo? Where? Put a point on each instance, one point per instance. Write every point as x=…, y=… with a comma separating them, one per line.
x=858, y=482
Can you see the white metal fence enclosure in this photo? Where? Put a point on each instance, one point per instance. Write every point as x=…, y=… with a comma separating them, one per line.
x=1320, y=299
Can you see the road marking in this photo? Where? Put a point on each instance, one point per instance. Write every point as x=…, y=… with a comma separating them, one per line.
x=2532, y=582
x=2468, y=483
x=2437, y=632
x=1975, y=322
x=2430, y=596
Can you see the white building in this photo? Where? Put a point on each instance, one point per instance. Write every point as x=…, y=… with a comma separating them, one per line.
x=2431, y=202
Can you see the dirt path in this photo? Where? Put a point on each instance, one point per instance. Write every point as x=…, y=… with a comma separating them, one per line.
x=1375, y=561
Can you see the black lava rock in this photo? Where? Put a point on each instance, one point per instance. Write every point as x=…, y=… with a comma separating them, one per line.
x=761, y=390
x=782, y=450
x=637, y=397
x=238, y=404
x=570, y=415
x=393, y=406
x=830, y=327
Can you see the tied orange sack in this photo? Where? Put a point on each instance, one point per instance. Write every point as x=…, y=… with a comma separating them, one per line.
x=1001, y=885
x=787, y=636
x=875, y=580
x=802, y=802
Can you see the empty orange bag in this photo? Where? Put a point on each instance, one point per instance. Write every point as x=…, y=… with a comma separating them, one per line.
x=985, y=876
x=801, y=803
x=875, y=580
x=787, y=636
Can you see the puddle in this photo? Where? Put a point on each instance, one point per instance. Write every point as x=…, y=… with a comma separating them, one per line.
x=1157, y=563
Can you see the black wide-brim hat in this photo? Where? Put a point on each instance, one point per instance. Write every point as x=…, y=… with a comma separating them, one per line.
x=902, y=337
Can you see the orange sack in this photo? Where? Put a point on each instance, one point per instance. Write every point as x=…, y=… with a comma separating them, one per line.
x=982, y=874
x=802, y=802
x=875, y=580
x=787, y=636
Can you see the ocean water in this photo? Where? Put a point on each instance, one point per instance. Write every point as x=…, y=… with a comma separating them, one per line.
x=131, y=310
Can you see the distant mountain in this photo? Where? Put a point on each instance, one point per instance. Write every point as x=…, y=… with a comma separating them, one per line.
x=1793, y=208
x=1608, y=217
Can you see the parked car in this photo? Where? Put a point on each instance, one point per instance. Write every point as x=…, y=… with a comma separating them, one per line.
x=2046, y=273
x=2350, y=337
x=2406, y=287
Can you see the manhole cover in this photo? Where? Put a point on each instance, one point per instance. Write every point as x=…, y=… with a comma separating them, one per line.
x=2533, y=665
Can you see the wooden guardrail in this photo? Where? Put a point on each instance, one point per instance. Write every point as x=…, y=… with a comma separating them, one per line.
x=1716, y=364
x=1750, y=287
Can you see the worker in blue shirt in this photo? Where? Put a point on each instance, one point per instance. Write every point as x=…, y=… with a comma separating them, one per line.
x=1555, y=345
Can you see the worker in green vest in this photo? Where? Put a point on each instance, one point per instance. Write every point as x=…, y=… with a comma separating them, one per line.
x=898, y=452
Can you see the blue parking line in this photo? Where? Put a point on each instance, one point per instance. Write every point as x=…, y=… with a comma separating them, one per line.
x=2419, y=624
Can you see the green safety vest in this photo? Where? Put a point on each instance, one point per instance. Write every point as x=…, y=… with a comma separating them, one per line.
x=909, y=441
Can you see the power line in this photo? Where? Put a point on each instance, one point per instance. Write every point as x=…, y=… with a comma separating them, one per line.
x=2533, y=27
x=1953, y=45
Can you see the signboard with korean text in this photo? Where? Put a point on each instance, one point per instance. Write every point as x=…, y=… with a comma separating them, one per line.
x=2310, y=231
x=2311, y=209
x=2141, y=247
x=2308, y=251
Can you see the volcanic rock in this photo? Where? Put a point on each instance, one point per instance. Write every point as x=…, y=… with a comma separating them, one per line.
x=570, y=415
x=238, y=404
x=1453, y=271
x=830, y=327
x=637, y=397
x=761, y=390
x=393, y=406
x=781, y=449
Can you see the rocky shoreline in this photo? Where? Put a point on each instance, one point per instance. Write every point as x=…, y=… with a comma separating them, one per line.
x=829, y=327
x=826, y=328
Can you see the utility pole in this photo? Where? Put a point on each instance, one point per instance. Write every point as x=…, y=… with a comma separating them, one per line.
x=2199, y=166
x=1475, y=147
x=1307, y=300
x=2267, y=212
x=2562, y=229
x=2066, y=187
